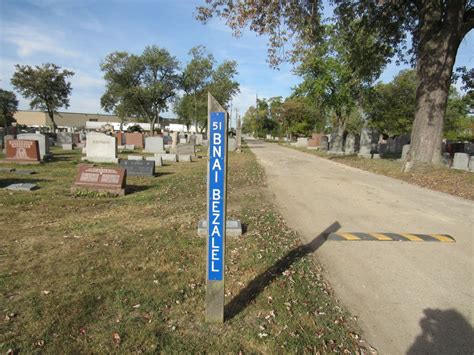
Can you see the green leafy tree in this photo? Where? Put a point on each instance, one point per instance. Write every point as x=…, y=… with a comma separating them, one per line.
x=196, y=75
x=8, y=107
x=391, y=107
x=331, y=81
x=459, y=125
x=200, y=77
x=431, y=30
x=298, y=116
x=140, y=85
x=46, y=86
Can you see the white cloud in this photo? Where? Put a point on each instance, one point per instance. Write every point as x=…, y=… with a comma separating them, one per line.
x=30, y=40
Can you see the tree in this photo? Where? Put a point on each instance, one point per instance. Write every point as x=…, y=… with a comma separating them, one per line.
x=46, y=86
x=459, y=126
x=199, y=78
x=196, y=75
x=299, y=116
x=141, y=85
x=8, y=107
x=391, y=107
x=436, y=28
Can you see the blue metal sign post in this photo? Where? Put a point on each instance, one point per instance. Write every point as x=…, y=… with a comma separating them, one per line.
x=216, y=210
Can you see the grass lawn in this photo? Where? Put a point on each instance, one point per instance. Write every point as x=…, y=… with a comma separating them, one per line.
x=455, y=182
x=101, y=274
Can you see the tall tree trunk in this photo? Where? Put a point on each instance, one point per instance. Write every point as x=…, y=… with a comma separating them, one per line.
x=51, y=117
x=440, y=37
x=152, y=126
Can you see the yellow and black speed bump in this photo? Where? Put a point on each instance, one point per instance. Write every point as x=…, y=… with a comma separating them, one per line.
x=391, y=237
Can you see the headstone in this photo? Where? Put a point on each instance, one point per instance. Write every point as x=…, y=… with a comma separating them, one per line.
x=138, y=167
x=43, y=143
x=400, y=142
x=461, y=161
x=64, y=138
x=336, y=143
x=101, y=148
x=231, y=144
x=135, y=157
x=192, y=139
x=112, y=180
x=183, y=140
x=324, y=145
x=471, y=163
x=168, y=157
x=382, y=148
x=120, y=138
x=134, y=138
x=22, y=187
x=67, y=146
x=22, y=151
x=129, y=147
x=186, y=149
x=25, y=172
x=184, y=158
x=154, y=144
x=365, y=141
x=391, y=145
x=199, y=138
x=405, y=150
x=349, y=144
x=121, y=147
x=167, y=140
x=302, y=142
x=174, y=137
x=158, y=161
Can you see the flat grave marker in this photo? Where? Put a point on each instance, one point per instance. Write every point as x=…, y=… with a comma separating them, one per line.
x=99, y=179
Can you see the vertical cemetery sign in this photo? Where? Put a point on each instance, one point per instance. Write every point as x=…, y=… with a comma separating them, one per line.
x=216, y=210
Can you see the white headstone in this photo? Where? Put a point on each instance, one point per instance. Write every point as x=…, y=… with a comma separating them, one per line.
x=461, y=161
x=350, y=144
x=43, y=142
x=231, y=144
x=101, y=148
x=135, y=157
x=158, y=161
x=154, y=144
x=302, y=142
x=199, y=138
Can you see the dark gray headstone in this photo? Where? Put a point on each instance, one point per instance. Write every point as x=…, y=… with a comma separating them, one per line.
x=138, y=167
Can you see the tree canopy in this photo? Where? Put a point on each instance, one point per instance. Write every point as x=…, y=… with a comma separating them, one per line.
x=8, y=107
x=46, y=86
x=199, y=77
x=141, y=85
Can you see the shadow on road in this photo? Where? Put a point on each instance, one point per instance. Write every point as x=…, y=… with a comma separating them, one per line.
x=258, y=284
x=443, y=332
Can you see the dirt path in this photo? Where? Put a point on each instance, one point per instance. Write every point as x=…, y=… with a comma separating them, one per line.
x=410, y=297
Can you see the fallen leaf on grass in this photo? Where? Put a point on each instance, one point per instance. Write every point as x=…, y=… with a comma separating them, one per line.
x=116, y=338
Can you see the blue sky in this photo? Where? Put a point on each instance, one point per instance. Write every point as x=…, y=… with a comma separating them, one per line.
x=78, y=35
